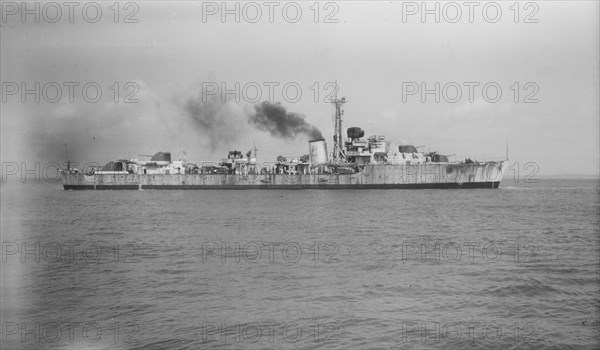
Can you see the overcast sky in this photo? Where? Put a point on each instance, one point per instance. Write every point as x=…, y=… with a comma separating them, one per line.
x=376, y=51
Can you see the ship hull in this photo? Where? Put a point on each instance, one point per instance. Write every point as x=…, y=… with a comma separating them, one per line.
x=388, y=176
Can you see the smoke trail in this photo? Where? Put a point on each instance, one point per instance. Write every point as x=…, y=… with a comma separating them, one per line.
x=275, y=119
x=217, y=120
x=223, y=123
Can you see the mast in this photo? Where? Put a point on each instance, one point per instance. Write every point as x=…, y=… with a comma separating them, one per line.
x=67, y=155
x=338, y=144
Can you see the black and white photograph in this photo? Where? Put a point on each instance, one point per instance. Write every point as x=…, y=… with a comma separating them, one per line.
x=300, y=174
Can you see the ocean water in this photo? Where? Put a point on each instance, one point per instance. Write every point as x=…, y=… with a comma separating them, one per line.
x=512, y=268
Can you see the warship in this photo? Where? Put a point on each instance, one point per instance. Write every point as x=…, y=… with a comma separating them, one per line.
x=355, y=162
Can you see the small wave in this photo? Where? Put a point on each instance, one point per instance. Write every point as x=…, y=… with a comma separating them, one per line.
x=521, y=290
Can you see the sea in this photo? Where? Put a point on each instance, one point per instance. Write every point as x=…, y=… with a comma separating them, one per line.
x=512, y=268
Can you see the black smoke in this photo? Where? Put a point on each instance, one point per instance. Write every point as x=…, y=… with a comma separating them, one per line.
x=275, y=119
x=222, y=123
x=218, y=121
